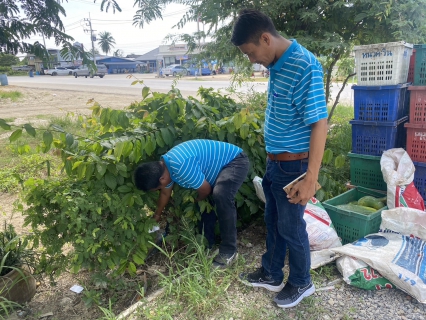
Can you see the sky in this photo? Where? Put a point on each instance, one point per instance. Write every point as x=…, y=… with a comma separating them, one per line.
x=128, y=38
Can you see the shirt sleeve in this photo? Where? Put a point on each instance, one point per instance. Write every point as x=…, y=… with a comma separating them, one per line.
x=309, y=96
x=189, y=175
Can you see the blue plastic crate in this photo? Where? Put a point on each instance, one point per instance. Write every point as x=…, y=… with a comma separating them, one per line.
x=372, y=137
x=420, y=178
x=381, y=103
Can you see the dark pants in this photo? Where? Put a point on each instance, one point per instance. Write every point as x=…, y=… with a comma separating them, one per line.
x=227, y=183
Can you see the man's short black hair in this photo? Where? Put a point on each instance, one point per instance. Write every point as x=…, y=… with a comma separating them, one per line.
x=250, y=25
x=147, y=175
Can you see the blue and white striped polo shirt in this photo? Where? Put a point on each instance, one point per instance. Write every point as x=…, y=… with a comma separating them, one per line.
x=190, y=162
x=296, y=100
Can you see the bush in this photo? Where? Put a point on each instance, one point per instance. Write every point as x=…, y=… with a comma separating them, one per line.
x=96, y=208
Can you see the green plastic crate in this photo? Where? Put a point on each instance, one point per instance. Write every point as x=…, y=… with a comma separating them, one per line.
x=420, y=65
x=349, y=225
x=366, y=171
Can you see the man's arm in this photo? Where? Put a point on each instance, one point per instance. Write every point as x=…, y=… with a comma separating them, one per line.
x=204, y=190
x=305, y=189
x=165, y=194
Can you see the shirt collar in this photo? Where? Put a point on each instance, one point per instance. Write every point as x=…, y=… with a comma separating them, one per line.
x=277, y=65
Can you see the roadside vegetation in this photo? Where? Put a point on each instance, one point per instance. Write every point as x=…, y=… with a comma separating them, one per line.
x=12, y=95
x=82, y=180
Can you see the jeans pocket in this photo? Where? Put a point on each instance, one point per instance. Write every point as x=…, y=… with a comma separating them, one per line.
x=292, y=168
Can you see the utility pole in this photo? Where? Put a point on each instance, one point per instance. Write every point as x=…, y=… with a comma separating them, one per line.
x=47, y=52
x=92, y=36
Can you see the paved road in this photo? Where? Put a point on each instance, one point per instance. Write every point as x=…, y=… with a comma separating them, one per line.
x=120, y=84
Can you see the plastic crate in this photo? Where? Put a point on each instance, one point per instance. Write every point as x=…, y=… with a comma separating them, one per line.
x=417, y=104
x=416, y=141
x=366, y=171
x=420, y=178
x=382, y=63
x=420, y=65
x=349, y=225
x=372, y=138
x=381, y=103
x=411, y=67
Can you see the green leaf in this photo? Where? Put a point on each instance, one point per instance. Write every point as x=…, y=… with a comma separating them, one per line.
x=339, y=162
x=221, y=135
x=90, y=168
x=118, y=150
x=327, y=157
x=81, y=171
x=124, y=189
x=69, y=139
x=4, y=125
x=111, y=181
x=15, y=135
x=167, y=136
x=158, y=139
x=101, y=168
x=47, y=138
x=30, y=130
x=244, y=131
x=127, y=148
x=104, y=116
x=76, y=164
x=138, y=260
x=145, y=92
x=238, y=120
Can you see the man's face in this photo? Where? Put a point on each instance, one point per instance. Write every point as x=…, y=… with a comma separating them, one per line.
x=261, y=53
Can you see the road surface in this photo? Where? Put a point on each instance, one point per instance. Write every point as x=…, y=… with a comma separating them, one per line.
x=121, y=84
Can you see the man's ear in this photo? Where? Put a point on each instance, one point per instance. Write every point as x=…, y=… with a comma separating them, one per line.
x=265, y=38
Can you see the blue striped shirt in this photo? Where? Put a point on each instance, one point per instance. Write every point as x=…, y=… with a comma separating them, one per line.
x=296, y=100
x=190, y=162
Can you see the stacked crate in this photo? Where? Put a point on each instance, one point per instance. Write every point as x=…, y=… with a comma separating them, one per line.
x=381, y=104
x=416, y=127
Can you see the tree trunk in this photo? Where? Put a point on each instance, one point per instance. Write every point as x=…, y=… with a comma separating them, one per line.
x=338, y=96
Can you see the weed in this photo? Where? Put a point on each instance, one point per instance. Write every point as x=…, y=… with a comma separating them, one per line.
x=12, y=95
x=108, y=313
x=193, y=288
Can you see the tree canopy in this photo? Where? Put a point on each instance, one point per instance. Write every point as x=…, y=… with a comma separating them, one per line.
x=106, y=41
x=22, y=19
x=328, y=28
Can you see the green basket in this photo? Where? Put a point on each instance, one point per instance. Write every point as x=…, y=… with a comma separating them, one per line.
x=349, y=225
x=366, y=171
x=420, y=65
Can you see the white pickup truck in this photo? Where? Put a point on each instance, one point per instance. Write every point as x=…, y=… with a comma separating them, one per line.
x=83, y=71
x=58, y=71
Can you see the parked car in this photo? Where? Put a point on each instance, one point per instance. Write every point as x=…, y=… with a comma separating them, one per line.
x=58, y=71
x=174, y=70
x=204, y=71
x=84, y=71
x=21, y=68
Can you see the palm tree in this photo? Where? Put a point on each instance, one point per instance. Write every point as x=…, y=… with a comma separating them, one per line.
x=106, y=41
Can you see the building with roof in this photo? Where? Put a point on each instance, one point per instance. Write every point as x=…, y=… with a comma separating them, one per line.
x=118, y=64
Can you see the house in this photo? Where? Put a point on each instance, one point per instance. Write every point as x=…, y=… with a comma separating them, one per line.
x=118, y=64
x=149, y=59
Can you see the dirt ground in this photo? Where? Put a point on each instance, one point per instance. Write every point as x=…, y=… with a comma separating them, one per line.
x=40, y=102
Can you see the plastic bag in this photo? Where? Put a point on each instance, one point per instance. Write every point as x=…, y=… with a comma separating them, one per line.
x=358, y=274
x=398, y=173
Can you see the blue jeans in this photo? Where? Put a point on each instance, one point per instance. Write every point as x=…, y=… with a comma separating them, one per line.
x=285, y=225
x=227, y=183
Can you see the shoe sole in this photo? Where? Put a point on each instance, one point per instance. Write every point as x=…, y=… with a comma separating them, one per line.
x=265, y=286
x=305, y=294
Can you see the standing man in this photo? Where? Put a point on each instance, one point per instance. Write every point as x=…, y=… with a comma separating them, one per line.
x=210, y=167
x=295, y=134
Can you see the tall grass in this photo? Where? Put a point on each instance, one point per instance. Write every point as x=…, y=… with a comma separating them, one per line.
x=12, y=95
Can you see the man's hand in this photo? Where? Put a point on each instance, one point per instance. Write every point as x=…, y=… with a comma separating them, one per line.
x=302, y=192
